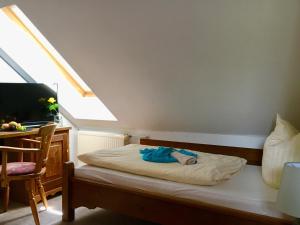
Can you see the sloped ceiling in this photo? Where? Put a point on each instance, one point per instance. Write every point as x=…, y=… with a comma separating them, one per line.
x=181, y=65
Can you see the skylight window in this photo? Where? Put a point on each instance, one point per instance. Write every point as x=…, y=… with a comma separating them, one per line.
x=10, y=76
x=21, y=41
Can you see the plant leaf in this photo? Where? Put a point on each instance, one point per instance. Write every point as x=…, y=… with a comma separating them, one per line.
x=53, y=107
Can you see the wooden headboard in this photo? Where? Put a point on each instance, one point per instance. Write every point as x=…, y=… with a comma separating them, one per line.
x=253, y=156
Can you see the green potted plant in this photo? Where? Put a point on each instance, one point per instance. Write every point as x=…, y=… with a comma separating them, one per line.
x=51, y=106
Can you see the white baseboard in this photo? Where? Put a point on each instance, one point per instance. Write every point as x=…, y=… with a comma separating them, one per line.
x=246, y=141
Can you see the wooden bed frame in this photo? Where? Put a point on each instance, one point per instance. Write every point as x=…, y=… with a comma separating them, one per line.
x=157, y=208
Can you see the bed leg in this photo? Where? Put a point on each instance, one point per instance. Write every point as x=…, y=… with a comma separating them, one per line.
x=68, y=174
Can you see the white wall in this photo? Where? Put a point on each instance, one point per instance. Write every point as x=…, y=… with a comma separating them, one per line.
x=73, y=136
x=195, y=66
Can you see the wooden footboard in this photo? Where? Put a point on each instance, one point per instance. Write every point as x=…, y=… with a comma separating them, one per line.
x=67, y=192
x=150, y=206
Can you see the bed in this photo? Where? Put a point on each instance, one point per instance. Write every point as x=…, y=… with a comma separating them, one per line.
x=244, y=199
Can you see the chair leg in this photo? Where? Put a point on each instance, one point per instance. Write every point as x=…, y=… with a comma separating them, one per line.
x=42, y=192
x=5, y=198
x=32, y=202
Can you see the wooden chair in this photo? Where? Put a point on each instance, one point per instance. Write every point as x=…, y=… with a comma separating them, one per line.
x=30, y=172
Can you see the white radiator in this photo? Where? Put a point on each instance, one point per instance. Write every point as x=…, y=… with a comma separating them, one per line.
x=89, y=141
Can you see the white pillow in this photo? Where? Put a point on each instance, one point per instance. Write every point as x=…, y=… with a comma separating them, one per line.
x=283, y=145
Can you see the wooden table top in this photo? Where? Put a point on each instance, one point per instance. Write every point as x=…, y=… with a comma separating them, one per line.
x=11, y=134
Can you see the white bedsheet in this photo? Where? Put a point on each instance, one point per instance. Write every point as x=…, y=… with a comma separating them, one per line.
x=245, y=191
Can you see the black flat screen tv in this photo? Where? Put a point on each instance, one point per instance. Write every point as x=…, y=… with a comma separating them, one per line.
x=21, y=102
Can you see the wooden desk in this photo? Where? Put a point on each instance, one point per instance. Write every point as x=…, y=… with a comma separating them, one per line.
x=58, y=154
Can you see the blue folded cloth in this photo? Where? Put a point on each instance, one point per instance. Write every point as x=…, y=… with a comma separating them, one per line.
x=163, y=154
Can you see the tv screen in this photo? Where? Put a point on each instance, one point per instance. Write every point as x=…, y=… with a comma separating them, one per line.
x=25, y=102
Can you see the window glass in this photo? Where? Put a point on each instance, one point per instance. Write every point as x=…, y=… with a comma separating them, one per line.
x=8, y=75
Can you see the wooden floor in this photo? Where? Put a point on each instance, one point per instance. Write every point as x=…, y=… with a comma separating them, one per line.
x=20, y=214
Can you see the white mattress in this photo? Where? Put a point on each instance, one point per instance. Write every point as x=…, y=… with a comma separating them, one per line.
x=245, y=191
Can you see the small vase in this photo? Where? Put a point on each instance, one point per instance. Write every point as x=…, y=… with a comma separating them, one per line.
x=56, y=118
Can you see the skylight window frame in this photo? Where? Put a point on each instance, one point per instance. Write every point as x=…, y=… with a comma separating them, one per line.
x=16, y=15
x=16, y=67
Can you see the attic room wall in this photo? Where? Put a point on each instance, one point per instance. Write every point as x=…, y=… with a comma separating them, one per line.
x=220, y=67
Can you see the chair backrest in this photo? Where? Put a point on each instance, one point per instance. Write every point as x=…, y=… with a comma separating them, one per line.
x=45, y=135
